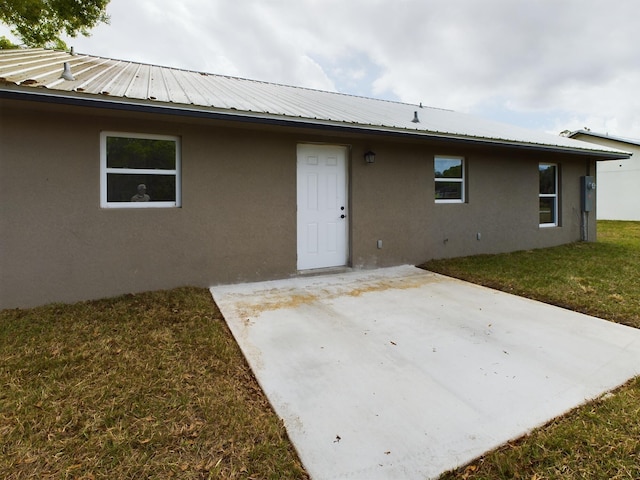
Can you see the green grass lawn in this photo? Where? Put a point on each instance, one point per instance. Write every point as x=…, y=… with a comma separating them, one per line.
x=154, y=386
x=144, y=386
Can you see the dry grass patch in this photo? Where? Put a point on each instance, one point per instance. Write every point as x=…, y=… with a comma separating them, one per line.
x=144, y=386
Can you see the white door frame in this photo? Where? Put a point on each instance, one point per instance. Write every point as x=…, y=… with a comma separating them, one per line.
x=323, y=206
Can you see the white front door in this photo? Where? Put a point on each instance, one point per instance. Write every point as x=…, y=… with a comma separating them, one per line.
x=322, y=206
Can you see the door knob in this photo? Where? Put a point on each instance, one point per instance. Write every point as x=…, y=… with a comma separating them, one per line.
x=341, y=216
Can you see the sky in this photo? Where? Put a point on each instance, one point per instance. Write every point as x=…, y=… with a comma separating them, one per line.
x=548, y=65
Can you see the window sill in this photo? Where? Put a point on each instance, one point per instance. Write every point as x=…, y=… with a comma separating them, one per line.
x=139, y=205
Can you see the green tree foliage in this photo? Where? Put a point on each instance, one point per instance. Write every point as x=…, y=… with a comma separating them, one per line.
x=40, y=23
x=5, y=44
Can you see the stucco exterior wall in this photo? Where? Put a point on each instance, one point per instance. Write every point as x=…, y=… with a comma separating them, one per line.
x=394, y=202
x=237, y=221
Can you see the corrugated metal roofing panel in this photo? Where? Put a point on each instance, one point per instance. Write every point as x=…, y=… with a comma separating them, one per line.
x=127, y=82
x=138, y=86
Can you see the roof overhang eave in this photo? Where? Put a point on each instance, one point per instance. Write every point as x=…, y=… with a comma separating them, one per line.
x=11, y=91
x=588, y=133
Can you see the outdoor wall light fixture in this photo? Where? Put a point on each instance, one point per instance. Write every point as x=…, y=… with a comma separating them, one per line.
x=370, y=157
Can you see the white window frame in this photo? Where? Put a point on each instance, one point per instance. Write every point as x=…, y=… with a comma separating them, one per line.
x=555, y=195
x=104, y=171
x=451, y=180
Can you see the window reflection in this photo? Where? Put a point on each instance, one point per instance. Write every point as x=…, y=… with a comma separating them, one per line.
x=548, y=194
x=140, y=170
x=449, y=179
x=159, y=188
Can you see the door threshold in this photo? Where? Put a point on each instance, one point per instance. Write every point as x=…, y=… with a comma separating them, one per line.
x=323, y=271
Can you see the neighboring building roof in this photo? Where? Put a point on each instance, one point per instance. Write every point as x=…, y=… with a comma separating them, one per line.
x=606, y=136
x=122, y=84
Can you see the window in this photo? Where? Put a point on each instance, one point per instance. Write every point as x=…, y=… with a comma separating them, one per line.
x=548, y=194
x=449, y=179
x=139, y=171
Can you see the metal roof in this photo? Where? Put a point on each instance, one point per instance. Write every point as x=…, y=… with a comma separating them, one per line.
x=31, y=71
x=605, y=136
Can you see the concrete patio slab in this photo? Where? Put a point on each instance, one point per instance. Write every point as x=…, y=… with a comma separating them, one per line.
x=403, y=373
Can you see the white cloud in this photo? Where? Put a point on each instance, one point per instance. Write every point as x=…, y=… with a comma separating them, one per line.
x=544, y=64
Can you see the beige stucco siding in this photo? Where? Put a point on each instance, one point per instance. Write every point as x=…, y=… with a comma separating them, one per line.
x=394, y=202
x=237, y=221
x=238, y=206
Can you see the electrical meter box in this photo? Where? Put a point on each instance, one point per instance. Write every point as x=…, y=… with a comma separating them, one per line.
x=588, y=193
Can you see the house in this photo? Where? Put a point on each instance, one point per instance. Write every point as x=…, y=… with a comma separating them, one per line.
x=616, y=180
x=119, y=177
